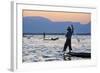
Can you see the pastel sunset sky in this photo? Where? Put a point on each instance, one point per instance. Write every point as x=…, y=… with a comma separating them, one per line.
x=83, y=18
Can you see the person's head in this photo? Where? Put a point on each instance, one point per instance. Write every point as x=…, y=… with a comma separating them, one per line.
x=69, y=28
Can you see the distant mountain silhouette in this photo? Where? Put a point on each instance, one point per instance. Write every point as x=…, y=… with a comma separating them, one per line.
x=39, y=24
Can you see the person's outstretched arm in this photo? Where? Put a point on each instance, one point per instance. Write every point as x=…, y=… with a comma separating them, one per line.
x=72, y=28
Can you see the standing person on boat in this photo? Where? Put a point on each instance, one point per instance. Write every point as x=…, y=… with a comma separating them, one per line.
x=44, y=35
x=68, y=36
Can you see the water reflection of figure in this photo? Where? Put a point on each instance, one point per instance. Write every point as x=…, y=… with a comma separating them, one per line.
x=67, y=57
x=68, y=36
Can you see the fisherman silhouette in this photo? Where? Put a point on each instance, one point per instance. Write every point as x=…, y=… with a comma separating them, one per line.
x=68, y=36
x=44, y=35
